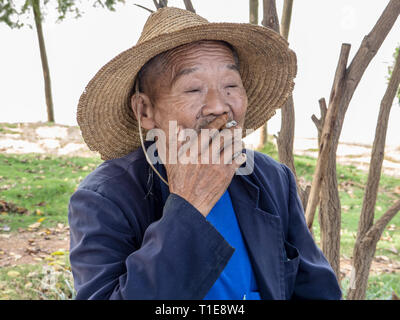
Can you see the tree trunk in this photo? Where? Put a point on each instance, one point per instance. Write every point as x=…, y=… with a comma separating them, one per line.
x=378, y=151
x=270, y=17
x=263, y=135
x=285, y=137
x=270, y=20
x=330, y=219
x=253, y=18
x=253, y=11
x=368, y=234
x=43, y=56
x=286, y=17
x=363, y=253
x=330, y=225
x=330, y=212
x=326, y=141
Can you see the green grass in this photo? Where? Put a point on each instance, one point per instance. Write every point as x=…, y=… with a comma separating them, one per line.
x=379, y=287
x=5, y=128
x=45, y=183
x=40, y=184
x=351, y=199
x=8, y=125
x=43, y=281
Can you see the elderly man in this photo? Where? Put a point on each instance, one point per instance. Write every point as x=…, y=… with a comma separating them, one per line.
x=195, y=229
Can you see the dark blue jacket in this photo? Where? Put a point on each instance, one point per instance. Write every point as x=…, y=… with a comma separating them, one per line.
x=132, y=239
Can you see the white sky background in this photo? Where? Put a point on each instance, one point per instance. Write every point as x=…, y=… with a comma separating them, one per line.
x=78, y=48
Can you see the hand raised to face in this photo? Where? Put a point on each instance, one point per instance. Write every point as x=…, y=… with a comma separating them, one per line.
x=202, y=174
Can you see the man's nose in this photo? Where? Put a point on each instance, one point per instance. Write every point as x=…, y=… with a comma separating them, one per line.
x=215, y=103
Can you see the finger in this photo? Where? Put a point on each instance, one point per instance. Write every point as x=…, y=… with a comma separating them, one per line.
x=206, y=135
x=211, y=133
x=232, y=135
x=240, y=160
x=233, y=158
x=223, y=140
x=215, y=141
x=186, y=139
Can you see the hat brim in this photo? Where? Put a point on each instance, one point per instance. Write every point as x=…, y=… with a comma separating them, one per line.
x=267, y=68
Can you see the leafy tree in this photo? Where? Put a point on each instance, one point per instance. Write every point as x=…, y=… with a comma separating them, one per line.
x=15, y=13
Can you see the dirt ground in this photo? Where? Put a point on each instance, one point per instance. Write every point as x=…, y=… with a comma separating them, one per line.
x=33, y=246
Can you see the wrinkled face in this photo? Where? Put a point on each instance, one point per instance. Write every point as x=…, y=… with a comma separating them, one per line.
x=199, y=81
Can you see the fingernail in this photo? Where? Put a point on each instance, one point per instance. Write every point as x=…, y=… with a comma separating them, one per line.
x=231, y=124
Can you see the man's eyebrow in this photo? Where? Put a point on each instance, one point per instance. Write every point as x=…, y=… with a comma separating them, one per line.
x=190, y=70
x=181, y=73
x=233, y=67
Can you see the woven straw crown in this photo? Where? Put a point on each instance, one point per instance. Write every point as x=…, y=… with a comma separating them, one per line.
x=267, y=68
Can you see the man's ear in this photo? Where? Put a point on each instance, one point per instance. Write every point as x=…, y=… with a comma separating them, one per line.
x=142, y=106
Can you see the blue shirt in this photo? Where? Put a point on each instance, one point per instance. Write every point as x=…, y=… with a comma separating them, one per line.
x=237, y=280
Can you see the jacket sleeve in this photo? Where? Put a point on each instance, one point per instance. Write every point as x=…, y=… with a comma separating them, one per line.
x=315, y=277
x=180, y=257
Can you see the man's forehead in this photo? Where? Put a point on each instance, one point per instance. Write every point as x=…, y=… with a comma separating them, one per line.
x=183, y=60
x=186, y=56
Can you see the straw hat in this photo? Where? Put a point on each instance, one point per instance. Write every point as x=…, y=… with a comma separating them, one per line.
x=267, y=68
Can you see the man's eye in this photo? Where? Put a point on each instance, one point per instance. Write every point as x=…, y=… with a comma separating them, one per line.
x=231, y=86
x=192, y=90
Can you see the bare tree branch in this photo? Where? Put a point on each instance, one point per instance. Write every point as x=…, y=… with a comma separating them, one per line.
x=144, y=8
x=330, y=208
x=304, y=195
x=316, y=121
x=319, y=123
x=368, y=233
x=43, y=56
x=363, y=254
x=323, y=109
x=377, y=153
x=160, y=3
x=285, y=138
x=253, y=11
x=156, y=4
x=189, y=5
x=375, y=232
x=270, y=17
x=369, y=47
x=326, y=141
x=286, y=17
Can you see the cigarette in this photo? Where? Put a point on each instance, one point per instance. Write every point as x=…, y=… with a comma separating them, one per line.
x=231, y=124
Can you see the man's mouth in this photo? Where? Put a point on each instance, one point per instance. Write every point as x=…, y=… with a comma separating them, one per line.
x=230, y=123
